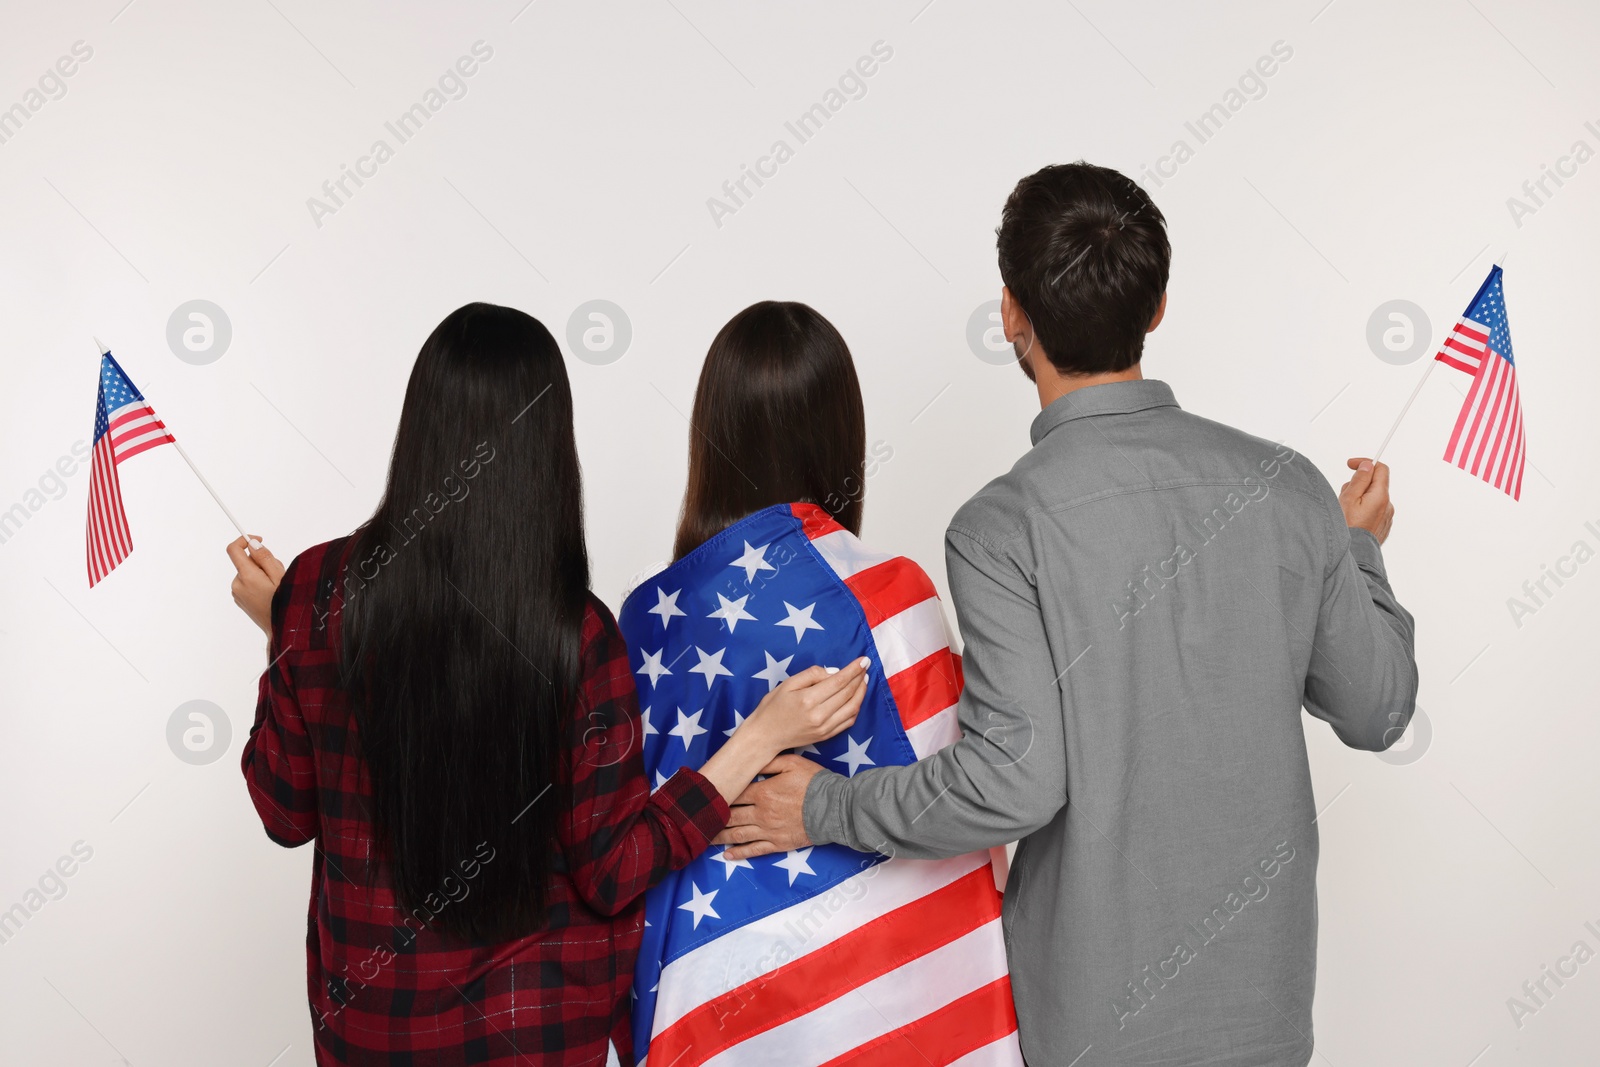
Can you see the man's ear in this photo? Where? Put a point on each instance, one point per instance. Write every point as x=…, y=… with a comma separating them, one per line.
x=1012, y=317
x=1161, y=313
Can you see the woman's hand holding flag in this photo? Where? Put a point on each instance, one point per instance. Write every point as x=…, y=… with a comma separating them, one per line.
x=258, y=578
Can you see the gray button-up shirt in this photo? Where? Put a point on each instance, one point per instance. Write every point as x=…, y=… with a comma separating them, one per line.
x=1147, y=600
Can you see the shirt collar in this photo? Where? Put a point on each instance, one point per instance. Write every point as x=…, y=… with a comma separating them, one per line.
x=1113, y=398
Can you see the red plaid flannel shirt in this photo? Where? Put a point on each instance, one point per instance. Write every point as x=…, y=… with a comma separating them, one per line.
x=386, y=988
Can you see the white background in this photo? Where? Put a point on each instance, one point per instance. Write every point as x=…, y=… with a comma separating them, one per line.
x=178, y=164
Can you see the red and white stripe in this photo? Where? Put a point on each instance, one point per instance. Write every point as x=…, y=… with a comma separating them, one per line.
x=131, y=429
x=908, y=627
x=1464, y=348
x=1487, y=440
x=903, y=963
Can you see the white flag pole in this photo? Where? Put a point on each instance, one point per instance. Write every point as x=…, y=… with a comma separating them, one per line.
x=251, y=541
x=1399, y=418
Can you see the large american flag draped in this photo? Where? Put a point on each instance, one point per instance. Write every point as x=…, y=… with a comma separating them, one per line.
x=124, y=426
x=1488, y=438
x=823, y=955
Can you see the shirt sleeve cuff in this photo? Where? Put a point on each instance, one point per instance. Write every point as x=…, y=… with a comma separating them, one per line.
x=825, y=811
x=1368, y=556
x=695, y=805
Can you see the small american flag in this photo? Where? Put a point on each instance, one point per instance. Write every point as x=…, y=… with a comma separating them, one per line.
x=1488, y=439
x=124, y=426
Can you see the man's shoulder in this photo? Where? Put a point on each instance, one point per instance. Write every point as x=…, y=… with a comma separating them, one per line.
x=1213, y=446
x=1057, y=474
x=994, y=513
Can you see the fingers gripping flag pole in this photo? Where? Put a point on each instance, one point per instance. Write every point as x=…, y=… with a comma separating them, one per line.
x=124, y=425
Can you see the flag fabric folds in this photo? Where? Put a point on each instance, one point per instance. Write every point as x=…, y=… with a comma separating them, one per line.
x=1488, y=439
x=124, y=426
x=823, y=955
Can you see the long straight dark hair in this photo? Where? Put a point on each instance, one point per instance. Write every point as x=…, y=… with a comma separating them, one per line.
x=777, y=419
x=461, y=645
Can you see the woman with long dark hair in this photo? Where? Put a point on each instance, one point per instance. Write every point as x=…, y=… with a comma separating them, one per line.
x=448, y=714
x=821, y=955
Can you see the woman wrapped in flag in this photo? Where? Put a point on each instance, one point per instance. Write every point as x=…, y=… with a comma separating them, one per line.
x=823, y=955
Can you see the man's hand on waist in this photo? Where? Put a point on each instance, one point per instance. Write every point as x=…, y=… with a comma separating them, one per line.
x=768, y=816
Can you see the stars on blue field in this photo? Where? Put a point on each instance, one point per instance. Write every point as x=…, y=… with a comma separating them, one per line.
x=753, y=560
x=710, y=665
x=653, y=666
x=1490, y=310
x=699, y=905
x=855, y=756
x=688, y=727
x=729, y=866
x=800, y=619
x=795, y=863
x=732, y=611
x=667, y=605
x=775, y=671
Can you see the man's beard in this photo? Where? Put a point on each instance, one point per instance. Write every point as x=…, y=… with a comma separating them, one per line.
x=1022, y=359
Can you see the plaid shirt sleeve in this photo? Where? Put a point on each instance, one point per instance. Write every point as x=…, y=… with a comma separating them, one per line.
x=279, y=764
x=619, y=837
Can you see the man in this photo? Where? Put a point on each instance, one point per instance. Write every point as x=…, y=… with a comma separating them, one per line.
x=1147, y=600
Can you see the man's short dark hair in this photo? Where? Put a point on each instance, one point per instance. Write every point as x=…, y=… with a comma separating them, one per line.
x=1084, y=251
